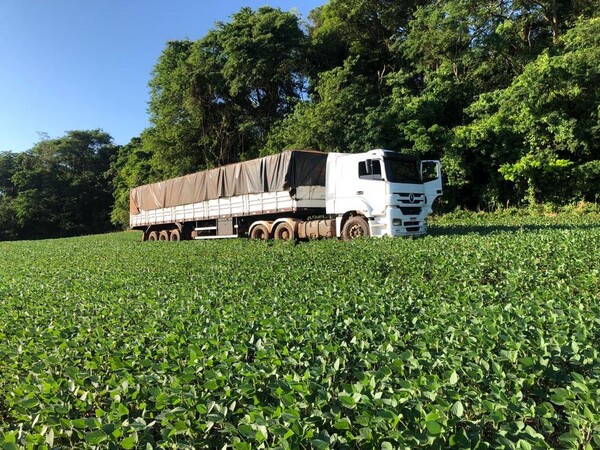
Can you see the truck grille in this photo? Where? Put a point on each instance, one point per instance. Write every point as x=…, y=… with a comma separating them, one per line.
x=410, y=198
x=412, y=227
x=410, y=210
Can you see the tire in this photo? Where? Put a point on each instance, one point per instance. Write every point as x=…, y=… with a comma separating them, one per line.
x=284, y=232
x=153, y=236
x=355, y=227
x=175, y=235
x=163, y=236
x=260, y=232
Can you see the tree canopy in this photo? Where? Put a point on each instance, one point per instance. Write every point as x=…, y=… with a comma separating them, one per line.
x=214, y=101
x=61, y=187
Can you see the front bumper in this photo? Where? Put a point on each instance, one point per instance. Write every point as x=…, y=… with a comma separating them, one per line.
x=395, y=224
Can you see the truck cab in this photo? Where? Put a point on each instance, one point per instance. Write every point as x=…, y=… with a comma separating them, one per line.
x=391, y=193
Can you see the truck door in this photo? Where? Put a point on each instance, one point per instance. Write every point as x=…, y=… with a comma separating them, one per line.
x=370, y=185
x=431, y=174
x=355, y=183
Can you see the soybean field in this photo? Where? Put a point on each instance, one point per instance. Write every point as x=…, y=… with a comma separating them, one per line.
x=484, y=334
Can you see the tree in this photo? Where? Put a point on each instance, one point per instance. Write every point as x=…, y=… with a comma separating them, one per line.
x=557, y=16
x=336, y=122
x=353, y=53
x=365, y=31
x=132, y=167
x=60, y=187
x=213, y=101
x=545, y=124
x=8, y=163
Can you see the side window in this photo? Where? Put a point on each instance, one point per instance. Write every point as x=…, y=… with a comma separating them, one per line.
x=376, y=168
x=362, y=169
x=370, y=169
x=429, y=171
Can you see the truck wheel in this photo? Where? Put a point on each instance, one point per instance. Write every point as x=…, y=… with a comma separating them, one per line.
x=355, y=227
x=153, y=236
x=260, y=232
x=284, y=232
x=175, y=235
x=163, y=236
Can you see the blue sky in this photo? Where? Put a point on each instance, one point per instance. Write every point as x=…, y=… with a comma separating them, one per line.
x=85, y=64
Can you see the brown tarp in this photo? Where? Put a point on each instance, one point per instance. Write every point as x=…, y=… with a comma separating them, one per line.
x=281, y=172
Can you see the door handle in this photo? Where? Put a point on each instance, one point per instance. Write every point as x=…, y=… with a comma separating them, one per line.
x=359, y=192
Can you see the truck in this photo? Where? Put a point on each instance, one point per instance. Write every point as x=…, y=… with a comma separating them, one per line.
x=293, y=195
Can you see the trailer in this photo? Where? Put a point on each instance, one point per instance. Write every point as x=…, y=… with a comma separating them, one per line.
x=296, y=194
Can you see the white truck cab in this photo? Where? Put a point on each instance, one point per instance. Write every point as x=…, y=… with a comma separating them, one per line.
x=393, y=192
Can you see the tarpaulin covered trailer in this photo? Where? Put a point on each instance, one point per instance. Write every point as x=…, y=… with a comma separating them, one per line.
x=290, y=181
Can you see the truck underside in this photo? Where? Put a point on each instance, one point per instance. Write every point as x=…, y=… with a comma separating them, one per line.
x=297, y=224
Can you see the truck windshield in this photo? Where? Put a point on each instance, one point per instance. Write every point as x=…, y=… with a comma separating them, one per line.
x=403, y=170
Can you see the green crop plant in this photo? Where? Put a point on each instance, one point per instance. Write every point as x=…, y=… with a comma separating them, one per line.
x=485, y=334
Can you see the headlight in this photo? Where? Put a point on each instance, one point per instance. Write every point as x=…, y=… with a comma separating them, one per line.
x=397, y=222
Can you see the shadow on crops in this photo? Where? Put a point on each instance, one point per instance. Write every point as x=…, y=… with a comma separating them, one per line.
x=483, y=230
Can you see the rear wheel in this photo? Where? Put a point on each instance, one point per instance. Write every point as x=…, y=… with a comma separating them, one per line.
x=163, y=236
x=355, y=227
x=260, y=232
x=284, y=232
x=153, y=236
x=175, y=235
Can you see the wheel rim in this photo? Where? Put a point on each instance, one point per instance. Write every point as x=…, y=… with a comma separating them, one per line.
x=356, y=230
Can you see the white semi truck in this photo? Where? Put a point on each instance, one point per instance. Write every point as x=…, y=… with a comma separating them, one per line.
x=296, y=194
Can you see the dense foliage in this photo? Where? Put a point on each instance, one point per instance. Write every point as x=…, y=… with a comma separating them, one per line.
x=61, y=187
x=505, y=93
x=483, y=335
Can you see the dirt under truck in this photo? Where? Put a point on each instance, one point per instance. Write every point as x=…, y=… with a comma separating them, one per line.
x=296, y=194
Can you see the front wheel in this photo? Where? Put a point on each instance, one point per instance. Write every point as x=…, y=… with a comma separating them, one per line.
x=355, y=227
